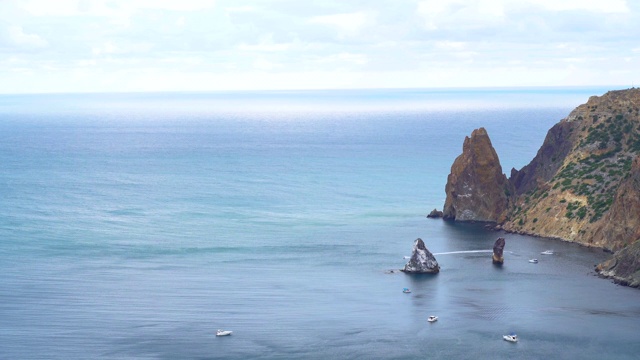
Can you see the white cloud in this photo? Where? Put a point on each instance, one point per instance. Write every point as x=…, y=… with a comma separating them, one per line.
x=345, y=58
x=596, y=6
x=450, y=45
x=461, y=13
x=264, y=64
x=111, y=48
x=20, y=38
x=265, y=44
x=346, y=24
x=240, y=9
x=110, y=7
x=293, y=44
x=476, y=13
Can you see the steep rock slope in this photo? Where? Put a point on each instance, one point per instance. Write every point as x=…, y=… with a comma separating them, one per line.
x=568, y=189
x=621, y=225
x=476, y=189
x=582, y=186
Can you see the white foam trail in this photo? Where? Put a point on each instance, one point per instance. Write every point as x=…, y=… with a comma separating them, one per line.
x=464, y=252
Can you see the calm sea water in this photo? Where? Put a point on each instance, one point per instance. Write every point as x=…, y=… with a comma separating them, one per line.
x=133, y=226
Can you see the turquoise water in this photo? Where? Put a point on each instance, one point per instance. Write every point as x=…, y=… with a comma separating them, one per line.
x=135, y=225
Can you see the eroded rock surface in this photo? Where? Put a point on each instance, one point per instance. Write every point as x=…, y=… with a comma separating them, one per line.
x=498, y=251
x=476, y=189
x=422, y=260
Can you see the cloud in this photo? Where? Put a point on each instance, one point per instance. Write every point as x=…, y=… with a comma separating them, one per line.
x=265, y=44
x=344, y=58
x=596, y=6
x=461, y=13
x=264, y=64
x=357, y=43
x=110, y=7
x=111, y=48
x=345, y=24
x=18, y=37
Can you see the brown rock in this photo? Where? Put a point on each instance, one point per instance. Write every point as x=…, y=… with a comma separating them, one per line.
x=434, y=214
x=476, y=189
x=624, y=267
x=498, y=251
x=621, y=226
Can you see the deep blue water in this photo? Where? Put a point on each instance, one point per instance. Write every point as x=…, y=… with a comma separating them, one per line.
x=133, y=226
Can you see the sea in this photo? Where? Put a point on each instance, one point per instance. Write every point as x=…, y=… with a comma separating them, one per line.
x=134, y=225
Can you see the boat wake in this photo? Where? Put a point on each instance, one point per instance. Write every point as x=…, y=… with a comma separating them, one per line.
x=464, y=252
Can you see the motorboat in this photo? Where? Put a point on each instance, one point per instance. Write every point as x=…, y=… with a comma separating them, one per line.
x=547, y=252
x=432, y=318
x=223, y=332
x=510, y=338
x=534, y=261
x=406, y=290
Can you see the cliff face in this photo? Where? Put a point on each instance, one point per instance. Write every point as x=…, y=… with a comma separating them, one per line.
x=621, y=225
x=582, y=186
x=476, y=189
x=569, y=189
x=548, y=160
x=624, y=267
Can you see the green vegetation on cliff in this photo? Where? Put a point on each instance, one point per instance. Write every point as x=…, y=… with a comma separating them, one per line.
x=572, y=183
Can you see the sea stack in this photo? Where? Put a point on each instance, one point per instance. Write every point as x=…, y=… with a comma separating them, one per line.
x=476, y=189
x=422, y=260
x=498, y=250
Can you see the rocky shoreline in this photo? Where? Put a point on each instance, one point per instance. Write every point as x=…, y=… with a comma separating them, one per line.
x=583, y=186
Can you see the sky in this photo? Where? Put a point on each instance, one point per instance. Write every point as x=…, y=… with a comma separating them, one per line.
x=62, y=46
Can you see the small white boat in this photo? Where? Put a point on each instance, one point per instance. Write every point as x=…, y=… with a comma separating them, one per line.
x=223, y=332
x=510, y=338
x=432, y=318
x=534, y=261
x=406, y=290
x=547, y=252
x=406, y=257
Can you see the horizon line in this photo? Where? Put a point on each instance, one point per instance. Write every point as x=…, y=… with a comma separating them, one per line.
x=354, y=89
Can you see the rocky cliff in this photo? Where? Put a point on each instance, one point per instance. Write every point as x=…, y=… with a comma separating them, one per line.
x=582, y=186
x=624, y=267
x=477, y=190
x=620, y=226
x=569, y=189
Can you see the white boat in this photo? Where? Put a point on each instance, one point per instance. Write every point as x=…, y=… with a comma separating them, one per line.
x=510, y=338
x=223, y=332
x=432, y=318
x=406, y=257
x=547, y=252
x=535, y=261
x=406, y=290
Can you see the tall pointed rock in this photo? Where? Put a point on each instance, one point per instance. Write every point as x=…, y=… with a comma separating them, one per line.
x=422, y=260
x=477, y=190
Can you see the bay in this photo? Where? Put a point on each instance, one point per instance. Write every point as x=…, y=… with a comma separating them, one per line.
x=135, y=225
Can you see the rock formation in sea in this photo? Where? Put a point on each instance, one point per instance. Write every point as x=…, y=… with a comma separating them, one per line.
x=422, y=260
x=435, y=213
x=582, y=186
x=476, y=189
x=498, y=251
